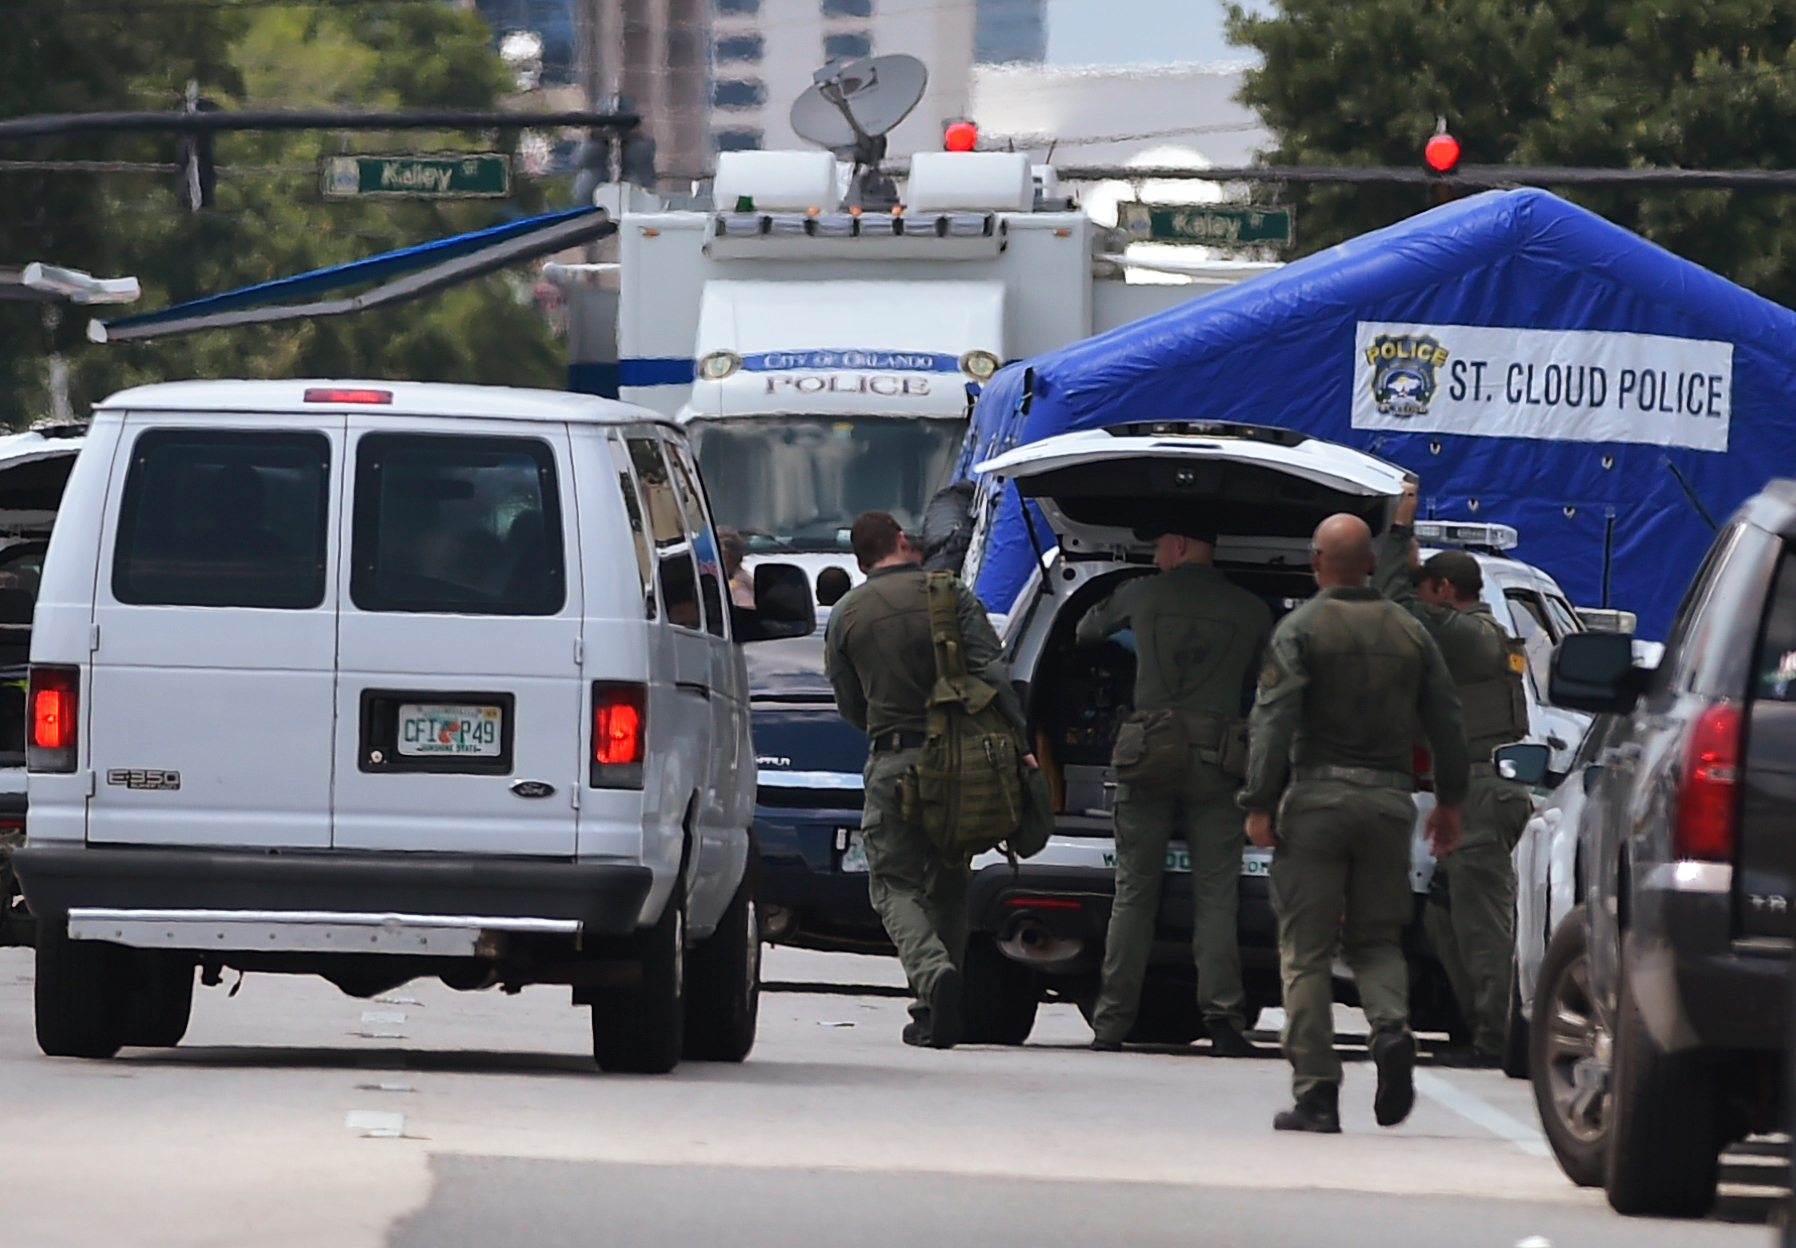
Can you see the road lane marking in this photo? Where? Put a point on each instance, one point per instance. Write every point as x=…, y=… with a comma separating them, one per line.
x=1482, y=1112
x=373, y=1124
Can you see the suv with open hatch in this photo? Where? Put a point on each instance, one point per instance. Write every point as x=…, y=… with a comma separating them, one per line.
x=1038, y=928
x=376, y=681
x=1662, y=1003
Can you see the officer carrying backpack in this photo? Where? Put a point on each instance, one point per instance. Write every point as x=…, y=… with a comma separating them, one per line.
x=973, y=791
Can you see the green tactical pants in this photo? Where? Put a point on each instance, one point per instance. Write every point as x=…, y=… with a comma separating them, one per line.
x=1340, y=877
x=10, y=906
x=1470, y=916
x=1201, y=812
x=921, y=899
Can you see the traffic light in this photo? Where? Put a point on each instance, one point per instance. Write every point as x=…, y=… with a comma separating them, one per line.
x=1442, y=153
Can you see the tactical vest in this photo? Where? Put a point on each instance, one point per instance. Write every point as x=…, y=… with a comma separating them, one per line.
x=1491, y=698
x=1365, y=665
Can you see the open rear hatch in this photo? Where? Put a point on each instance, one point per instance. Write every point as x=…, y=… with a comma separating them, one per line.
x=1263, y=490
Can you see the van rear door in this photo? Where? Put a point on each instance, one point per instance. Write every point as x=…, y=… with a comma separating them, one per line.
x=459, y=703
x=214, y=640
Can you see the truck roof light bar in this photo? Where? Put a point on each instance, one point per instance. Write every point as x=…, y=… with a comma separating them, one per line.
x=1207, y=429
x=1458, y=533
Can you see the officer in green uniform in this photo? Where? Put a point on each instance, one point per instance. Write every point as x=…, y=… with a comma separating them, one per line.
x=1349, y=676
x=1198, y=640
x=880, y=660
x=1470, y=918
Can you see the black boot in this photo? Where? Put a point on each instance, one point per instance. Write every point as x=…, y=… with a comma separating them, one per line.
x=917, y=1031
x=1318, y=1111
x=1394, y=1054
x=945, y=1029
x=1226, y=1041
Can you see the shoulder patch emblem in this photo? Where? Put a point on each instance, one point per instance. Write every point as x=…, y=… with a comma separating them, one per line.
x=1270, y=675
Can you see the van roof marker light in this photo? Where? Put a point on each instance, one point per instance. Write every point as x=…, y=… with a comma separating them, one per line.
x=332, y=394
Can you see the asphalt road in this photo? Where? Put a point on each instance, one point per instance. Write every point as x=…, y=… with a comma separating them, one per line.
x=294, y=1115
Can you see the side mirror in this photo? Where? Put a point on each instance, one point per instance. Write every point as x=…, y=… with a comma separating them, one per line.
x=1525, y=762
x=1595, y=672
x=783, y=605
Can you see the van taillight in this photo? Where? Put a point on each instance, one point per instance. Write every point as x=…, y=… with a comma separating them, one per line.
x=1708, y=802
x=619, y=724
x=54, y=718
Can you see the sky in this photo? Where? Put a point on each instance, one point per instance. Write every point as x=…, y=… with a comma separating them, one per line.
x=1134, y=32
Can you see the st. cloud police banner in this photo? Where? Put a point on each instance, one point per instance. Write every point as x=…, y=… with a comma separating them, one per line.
x=1564, y=385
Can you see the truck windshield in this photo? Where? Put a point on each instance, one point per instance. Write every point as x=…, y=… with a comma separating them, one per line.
x=797, y=482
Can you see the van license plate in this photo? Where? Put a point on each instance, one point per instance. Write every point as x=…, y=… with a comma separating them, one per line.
x=430, y=730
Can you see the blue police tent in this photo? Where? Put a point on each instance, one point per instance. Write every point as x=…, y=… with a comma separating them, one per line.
x=1535, y=364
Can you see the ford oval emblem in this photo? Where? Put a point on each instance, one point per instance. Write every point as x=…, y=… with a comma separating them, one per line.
x=533, y=788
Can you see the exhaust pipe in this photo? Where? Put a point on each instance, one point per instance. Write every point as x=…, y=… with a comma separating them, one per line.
x=1027, y=939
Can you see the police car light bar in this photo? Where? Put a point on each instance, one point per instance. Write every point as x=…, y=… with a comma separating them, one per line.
x=1455, y=533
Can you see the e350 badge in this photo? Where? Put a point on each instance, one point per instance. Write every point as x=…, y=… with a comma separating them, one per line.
x=1403, y=366
x=144, y=778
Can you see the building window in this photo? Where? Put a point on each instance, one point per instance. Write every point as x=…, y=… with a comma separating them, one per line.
x=746, y=8
x=739, y=93
x=848, y=8
x=739, y=140
x=739, y=48
x=847, y=47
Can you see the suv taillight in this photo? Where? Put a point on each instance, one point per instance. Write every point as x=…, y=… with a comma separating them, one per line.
x=1708, y=801
x=619, y=727
x=54, y=694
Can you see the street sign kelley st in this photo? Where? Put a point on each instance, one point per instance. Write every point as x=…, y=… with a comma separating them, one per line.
x=1212, y=226
x=481, y=175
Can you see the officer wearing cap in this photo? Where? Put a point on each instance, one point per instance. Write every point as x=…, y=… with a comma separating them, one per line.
x=880, y=659
x=1198, y=640
x=1348, y=678
x=1470, y=917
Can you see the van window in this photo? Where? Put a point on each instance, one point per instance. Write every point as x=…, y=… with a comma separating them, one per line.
x=704, y=542
x=470, y=525
x=645, y=562
x=674, y=569
x=218, y=519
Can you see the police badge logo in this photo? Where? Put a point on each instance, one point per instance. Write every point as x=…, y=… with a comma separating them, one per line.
x=1403, y=367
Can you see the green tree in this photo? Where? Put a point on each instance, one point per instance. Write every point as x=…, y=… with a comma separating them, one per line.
x=1614, y=83
x=410, y=53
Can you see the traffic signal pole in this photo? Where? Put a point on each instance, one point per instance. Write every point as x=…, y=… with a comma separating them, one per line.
x=199, y=121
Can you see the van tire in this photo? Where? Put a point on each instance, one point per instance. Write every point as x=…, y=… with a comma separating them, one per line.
x=723, y=980
x=160, y=1002
x=998, y=997
x=80, y=994
x=1664, y=1155
x=641, y=1030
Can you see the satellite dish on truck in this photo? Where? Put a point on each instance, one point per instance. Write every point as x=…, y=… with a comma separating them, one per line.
x=851, y=106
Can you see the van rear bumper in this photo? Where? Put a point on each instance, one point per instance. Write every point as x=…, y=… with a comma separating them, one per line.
x=605, y=898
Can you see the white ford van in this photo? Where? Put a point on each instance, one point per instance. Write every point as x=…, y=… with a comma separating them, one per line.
x=380, y=680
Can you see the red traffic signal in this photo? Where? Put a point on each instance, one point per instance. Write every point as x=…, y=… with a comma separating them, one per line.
x=960, y=136
x=1442, y=153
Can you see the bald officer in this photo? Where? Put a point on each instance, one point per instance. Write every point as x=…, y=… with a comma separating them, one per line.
x=1348, y=678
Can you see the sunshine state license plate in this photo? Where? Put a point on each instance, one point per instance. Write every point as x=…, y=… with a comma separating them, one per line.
x=431, y=730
